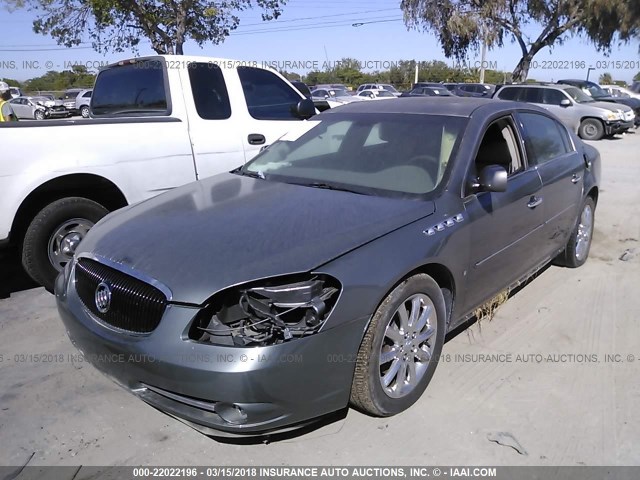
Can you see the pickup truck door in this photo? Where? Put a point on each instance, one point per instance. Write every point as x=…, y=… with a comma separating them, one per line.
x=216, y=123
x=504, y=226
x=269, y=102
x=561, y=169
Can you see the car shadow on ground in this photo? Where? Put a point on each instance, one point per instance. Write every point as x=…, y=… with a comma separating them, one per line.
x=13, y=278
x=342, y=414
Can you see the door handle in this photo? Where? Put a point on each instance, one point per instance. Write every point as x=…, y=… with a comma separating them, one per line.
x=534, y=202
x=576, y=178
x=256, y=139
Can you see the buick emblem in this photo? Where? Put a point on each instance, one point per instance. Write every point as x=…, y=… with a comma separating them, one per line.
x=103, y=297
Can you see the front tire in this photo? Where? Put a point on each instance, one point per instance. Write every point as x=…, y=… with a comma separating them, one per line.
x=577, y=250
x=401, y=347
x=38, y=115
x=84, y=111
x=53, y=235
x=591, y=129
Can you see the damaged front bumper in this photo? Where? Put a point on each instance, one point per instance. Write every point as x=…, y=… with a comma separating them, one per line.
x=219, y=390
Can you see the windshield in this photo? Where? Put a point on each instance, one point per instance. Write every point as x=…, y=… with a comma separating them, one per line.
x=70, y=95
x=595, y=90
x=578, y=95
x=385, y=93
x=367, y=153
x=338, y=92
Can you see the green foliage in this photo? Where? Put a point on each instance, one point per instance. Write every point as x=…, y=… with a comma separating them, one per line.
x=636, y=78
x=11, y=82
x=463, y=25
x=605, y=79
x=401, y=74
x=119, y=25
x=78, y=77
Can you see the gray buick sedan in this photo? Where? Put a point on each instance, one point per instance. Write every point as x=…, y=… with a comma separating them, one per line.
x=327, y=271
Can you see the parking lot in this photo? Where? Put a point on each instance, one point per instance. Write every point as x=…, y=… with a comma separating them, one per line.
x=552, y=379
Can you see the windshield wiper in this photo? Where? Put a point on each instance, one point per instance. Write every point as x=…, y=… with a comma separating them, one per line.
x=327, y=186
x=248, y=173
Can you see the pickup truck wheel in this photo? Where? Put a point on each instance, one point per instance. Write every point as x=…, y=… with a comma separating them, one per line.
x=84, y=111
x=54, y=234
x=591, y=129
x=400, y=349
x=577, y=250
x=38, y=115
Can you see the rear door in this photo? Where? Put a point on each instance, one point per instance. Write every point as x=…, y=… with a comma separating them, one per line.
x=20, y=109
x=216, y=126
x=270, y=104
x=505, y=226
x=551, y=101
x=561, y=169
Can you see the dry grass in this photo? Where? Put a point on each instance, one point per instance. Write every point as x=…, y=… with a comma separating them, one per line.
x=487, y=310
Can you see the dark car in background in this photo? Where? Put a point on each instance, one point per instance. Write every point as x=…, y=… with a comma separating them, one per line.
x=601, y=95
x=432, y=91
x=373, y=241
x=479, y=90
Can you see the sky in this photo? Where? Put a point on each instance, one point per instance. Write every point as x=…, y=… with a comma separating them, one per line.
x=312, y=32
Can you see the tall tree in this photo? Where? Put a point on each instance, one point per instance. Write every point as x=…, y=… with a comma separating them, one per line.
x=116, y=25
x=462, y=25
x=605, y=79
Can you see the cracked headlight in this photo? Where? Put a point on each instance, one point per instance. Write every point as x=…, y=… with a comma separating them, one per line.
x=613, y=116
x=267, y=312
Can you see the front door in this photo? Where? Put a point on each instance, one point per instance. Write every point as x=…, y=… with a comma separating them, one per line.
x=505, y=226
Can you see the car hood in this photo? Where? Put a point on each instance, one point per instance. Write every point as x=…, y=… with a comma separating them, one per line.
x=614, y=107
x=228, y=229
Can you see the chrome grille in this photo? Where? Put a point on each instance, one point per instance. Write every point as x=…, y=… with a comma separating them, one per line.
x=135, y=305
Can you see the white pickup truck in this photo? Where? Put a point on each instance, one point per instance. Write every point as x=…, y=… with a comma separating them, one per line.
x=157, y=123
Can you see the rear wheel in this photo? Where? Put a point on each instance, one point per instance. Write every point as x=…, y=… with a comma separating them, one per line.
x=577, y=250
x=591, y=129
x=400, y=349
x=53, y=235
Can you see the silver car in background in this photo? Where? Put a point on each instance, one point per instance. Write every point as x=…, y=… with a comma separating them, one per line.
x=82, y=102
x=590, y=119
x=69, y=100
x=36, y=108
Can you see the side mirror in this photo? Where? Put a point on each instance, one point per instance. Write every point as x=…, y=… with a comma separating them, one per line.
x=305, y=109
x=493, y=178
x=565, y=102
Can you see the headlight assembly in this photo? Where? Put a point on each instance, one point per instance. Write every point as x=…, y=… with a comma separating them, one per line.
x=268, y=312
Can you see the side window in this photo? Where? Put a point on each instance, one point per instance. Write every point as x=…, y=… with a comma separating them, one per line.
x=544, y=138
x=532, y=95
x=209, y=91
x=319, y=93
x=552, y=97
x=267, y=96
x=499, y=147
x=87, y=95
x=508, y=93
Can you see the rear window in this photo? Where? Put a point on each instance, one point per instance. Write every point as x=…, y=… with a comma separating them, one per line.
x=209, y=91
x=137, y=88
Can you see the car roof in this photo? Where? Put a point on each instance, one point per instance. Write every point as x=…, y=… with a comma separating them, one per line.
x=537, y=85
x=451, y=106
